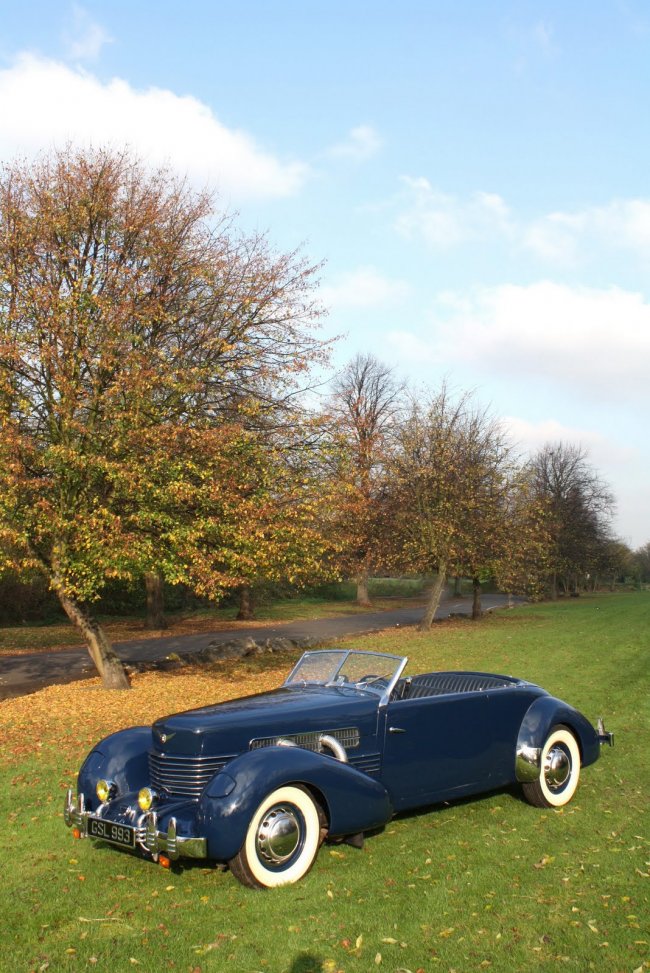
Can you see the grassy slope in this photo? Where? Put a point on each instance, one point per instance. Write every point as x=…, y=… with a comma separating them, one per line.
x=484, y=884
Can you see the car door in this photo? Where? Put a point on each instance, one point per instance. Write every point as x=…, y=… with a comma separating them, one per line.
x=435, y=748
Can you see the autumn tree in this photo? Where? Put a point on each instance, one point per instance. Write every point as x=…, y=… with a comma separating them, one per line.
x=448, y=474
x=365, y=402
x=522, y=564
x=641, y=563
x=613, y=561
x=579, y=506
x=291, y=543
x=142, y=338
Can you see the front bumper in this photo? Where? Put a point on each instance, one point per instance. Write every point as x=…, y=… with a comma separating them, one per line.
x=147, y=837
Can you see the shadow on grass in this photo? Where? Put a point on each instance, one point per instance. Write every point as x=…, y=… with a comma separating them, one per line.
x=306, y=963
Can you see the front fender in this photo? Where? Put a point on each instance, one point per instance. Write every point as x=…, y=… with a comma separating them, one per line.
x=122, y=757
x=353, y=801
x=540, y=717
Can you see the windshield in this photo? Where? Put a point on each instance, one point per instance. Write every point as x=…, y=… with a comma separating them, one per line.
x=338, y=667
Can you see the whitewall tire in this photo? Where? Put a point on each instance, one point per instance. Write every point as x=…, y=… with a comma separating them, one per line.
x=282, y=839
x=559, y=773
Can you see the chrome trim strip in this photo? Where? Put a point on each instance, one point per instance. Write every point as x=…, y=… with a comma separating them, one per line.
x=391, y=685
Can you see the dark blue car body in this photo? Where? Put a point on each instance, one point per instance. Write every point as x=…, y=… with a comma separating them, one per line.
x=343, y=745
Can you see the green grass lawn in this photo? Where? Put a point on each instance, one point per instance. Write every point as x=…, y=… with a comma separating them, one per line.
x=485, y=884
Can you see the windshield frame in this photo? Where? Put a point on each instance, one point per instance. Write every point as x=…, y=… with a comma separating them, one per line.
x=335, y=676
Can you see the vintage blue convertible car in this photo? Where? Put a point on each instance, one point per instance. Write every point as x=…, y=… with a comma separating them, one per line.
x=346, y=743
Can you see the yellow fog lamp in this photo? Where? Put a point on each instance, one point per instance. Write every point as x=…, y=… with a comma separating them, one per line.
x=105, y=790
x=147, y=797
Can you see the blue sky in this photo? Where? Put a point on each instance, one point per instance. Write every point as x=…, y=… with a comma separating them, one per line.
x=474, y=176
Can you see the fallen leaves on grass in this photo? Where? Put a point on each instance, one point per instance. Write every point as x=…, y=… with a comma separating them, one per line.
x=72, y=718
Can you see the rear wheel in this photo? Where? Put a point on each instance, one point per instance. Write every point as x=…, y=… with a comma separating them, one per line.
x=560, y=771
x=282, y=839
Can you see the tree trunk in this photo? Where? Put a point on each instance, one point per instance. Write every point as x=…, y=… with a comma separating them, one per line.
x=458, y=586
x=155, y=601
x=107, y=663
x=554, y=586
x=476, y=601
x=434, y=598
x=363, y=598
x=246, y=611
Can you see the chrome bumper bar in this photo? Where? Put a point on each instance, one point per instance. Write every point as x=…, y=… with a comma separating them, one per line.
x=147, y=835
x=603, y=735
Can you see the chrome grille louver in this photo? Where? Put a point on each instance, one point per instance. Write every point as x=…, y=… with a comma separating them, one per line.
x=347, y=737
x=181, y=776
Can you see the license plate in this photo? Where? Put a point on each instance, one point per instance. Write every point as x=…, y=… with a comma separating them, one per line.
x=117, y=834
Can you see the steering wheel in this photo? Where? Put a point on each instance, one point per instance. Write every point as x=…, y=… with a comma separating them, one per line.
x=371, y=678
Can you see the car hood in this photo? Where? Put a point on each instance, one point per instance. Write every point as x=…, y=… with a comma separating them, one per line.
x=227, y=729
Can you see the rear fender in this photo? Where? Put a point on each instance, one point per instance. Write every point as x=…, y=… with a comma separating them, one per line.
x=352, y=801
x=541, y=716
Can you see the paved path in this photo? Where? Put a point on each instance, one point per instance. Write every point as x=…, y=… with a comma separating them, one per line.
x=22, y=674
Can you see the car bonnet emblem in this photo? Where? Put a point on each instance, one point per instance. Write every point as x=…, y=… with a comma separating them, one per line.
x=164, y=737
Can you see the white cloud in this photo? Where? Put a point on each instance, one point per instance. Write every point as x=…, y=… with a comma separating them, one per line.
x=594, y=339
x=532, y=436
x=361, y=143
x=622, y=224
x=85, y=38
x=444, y=221
x=589, y=340
x=363, y=287
x=44, y=103
x=555, y=238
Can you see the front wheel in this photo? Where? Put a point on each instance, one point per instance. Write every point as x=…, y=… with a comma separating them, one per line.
x=282, y=839
x=560, y=771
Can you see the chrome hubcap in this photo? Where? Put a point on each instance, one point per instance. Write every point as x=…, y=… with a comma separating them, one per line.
x=557, y=767
x=278, y=835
